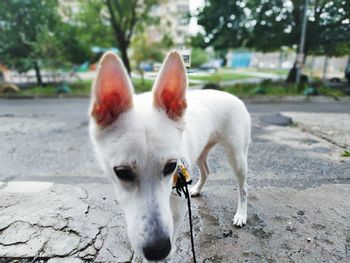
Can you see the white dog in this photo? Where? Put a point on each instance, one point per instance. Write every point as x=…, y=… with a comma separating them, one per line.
x=140, y=138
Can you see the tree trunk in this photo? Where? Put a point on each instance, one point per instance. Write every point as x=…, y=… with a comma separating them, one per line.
x=142, y=76
x=292, y=75
x=37, y=73
x=125, y=58
x=122, y=39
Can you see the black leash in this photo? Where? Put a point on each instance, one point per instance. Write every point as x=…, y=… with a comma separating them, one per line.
x=181, y=186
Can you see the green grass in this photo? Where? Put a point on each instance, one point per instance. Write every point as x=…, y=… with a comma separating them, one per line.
x=38, y=91
x=80, y=88
x=263, y=89
x=282, y=72
x=83, y=88
x=142, y=87
x=336, y=94
x=219, y=76
x=279, y=89
x=345, y=153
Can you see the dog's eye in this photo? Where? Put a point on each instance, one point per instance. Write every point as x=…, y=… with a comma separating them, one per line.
x=169, y=167
x=124, y=173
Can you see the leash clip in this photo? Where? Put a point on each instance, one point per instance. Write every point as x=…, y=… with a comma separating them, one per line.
x=180, y=183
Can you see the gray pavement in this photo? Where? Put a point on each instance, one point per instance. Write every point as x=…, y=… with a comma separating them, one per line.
x=57, y=206
x=334, y=127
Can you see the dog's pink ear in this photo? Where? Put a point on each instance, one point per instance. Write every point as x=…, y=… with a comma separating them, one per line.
x=169, y=92
x=112, y=90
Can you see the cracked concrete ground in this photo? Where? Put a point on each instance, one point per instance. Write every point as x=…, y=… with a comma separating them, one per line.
x=56, y=205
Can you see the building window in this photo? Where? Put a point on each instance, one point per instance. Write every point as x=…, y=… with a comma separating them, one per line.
x=182, y=8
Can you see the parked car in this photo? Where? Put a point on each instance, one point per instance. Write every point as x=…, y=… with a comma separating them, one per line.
x=212, y=65
x=146, y=66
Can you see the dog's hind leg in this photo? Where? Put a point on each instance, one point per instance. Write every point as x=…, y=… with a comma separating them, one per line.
x=204, y=170
x=237, y=156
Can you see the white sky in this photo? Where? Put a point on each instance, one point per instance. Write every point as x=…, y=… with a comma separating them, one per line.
x=194, y=4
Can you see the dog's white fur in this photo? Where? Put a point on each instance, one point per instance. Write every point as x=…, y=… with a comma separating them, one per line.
x=144, y=136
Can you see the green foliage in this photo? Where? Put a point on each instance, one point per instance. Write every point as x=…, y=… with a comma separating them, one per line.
x=198, y=57
x=219, y=76
x=167, y=42
x=269, y=25
x=220, y=20
x=140, y=87
x=92, y=25
x=73, y=44
x=79, y=88
x=114, y=22
x=326, y=91
x=144, y=51
x=278, y=89
x=345, y=153
x=273, y=89
x=27, y=32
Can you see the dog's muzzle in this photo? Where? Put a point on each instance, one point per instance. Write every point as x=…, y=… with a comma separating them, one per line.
x=158, y=249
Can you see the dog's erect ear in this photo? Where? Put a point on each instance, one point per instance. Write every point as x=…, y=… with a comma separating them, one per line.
x=169, y=91
x=112, y=90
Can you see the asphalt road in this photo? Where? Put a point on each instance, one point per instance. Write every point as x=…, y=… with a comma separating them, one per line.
x=299, y=186
x=60, y=145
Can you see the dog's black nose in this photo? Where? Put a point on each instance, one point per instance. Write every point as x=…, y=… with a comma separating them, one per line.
x=158, y=249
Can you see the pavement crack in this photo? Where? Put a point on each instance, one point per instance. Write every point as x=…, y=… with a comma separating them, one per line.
x=14, y=243
x=66, y=229
x=87, y=210
x=109, y=251
x=91, y=244
x=39, y=251
x=14, y=222
x=86, y=193
x=15, y=228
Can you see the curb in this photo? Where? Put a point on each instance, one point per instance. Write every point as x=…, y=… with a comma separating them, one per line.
x=250, y=99
x=277, y=99
x=45, y=97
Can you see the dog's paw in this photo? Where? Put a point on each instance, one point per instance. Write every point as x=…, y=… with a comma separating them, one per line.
x=240, y=219
x=194, y=191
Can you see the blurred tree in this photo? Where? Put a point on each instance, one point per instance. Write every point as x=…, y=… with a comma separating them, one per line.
x=198, y=57
x=73, y=44
x=121, y=17
x=27, y=33
x=145, y=52
x=222, y=22
x=92, y=24
x=269, y=25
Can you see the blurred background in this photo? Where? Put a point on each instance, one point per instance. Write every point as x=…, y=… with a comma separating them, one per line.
x=247, y=47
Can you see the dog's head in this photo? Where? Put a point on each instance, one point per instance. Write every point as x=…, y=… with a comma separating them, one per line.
x=138, y=141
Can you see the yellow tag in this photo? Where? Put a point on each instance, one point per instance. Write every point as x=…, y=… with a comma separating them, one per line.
x=184, y=172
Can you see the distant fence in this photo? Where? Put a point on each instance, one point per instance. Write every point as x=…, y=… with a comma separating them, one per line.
x=315, y=65
x=47, y=77
x=240, y=60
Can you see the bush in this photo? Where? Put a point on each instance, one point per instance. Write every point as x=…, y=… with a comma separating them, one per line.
x=212, y=86
x=280, y=88
x=198, y=57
